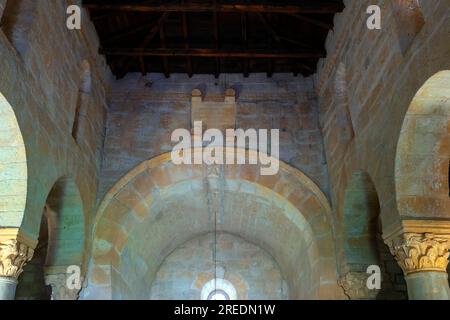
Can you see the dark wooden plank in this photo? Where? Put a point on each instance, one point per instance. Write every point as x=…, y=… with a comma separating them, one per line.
x=304, y=7
x=186, y=43
x=244, y=23
x=216, y=42
x=162, y=35
x=142, y=64
x=317, y=23
x=253, y=54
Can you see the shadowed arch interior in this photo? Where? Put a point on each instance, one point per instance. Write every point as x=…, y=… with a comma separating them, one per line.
x=65, y=217
x=159, y=206
x=423, y=152
x=361, y=222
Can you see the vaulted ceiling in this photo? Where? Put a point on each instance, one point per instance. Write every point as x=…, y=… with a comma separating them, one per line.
x=212, y=36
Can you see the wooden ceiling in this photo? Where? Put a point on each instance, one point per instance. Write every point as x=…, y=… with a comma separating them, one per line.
x=212, y=36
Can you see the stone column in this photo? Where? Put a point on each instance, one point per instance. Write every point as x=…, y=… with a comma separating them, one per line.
x=423, y=258
x=13, y=257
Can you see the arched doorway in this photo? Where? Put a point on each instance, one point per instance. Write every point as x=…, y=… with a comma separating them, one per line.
x=422, y=191
x=363, y=246
x=158, y=207
x=13, y=168
x=219, y=266
x=423, y=153
x=361, y=223
x=13, y=195
x=61, y=246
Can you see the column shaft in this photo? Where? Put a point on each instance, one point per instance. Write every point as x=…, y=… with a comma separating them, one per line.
x=428, y=285
x=7, y=288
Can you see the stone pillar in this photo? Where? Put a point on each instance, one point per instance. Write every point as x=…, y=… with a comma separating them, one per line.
x=14, y=254
x=423, y=258
x=355, y=286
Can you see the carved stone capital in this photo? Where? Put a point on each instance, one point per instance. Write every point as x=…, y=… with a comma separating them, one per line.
x=355, y=286
x=60, y=289
x=14, y=253
x=416, y=252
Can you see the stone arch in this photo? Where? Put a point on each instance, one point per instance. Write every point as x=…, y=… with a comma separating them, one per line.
x=233, y=256
x=423, y=152
x=66, y=225
x=289, y=202
x=61, y=244
x=13, y=168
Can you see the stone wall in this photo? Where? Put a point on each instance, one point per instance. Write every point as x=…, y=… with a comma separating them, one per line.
x=41, y=64
x=379, y=72
x=145, y=110
x=253, y=272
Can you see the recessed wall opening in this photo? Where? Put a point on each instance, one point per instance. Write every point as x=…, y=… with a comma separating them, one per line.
x=364, y=246
x=16, y=22
x=82, y=103
x=32, y=281
x=343, y=116
x=409, y=20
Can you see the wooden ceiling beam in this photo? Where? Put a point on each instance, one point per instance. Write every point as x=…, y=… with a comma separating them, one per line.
x=216, y=42
x=186, y=43
x=317, y=23
x=244, y=23
x=142, y=65
x=279, y=37
x=144, y=43
x=304, y=7
x=212, y=53
x=162, y=36
x=128, y=33
x=269, y=28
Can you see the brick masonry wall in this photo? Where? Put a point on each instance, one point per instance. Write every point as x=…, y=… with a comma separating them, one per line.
x=145, y=110
x=187, y=269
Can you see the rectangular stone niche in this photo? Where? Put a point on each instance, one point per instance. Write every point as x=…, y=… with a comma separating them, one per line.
x=213, y=114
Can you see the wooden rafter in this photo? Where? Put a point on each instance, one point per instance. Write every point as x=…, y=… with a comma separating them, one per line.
x=213, y=53
x=162, y=36
x=144, y=43
x=270, y=35
x=244, y=23
x=186, y=43
x=317, y=23
x=303, y=7
x=278, y=37
x=128, y=33
x=216, y=42
x=142, y=64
